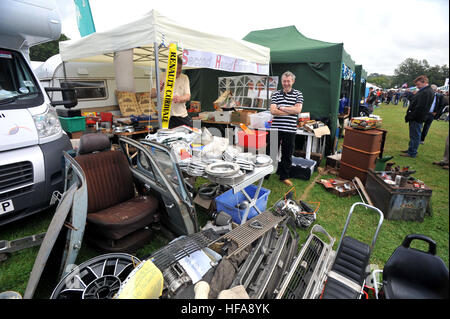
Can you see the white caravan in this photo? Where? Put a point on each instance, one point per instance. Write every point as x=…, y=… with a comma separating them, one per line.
x=95, y=83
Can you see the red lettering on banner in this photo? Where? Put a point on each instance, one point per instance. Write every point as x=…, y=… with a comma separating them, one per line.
x=218, y=58
x=185, y=56
x=234, y=65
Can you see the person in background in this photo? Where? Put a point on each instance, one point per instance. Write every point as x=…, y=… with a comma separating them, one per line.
x=444, y=162
x=182, y=94
x=396, y=97
x=371, y=98
x=416, y=114
x=389, y=97
x=406, y=97
x=434, y=113
x=285, y=106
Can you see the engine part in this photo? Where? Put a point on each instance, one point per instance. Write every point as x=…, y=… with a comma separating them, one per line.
x=175, y=277
x=96, y=278
x=208, y=191
x=222, y=219
x=220, y=230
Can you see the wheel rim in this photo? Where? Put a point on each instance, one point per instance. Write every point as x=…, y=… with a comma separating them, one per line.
x=98, y=278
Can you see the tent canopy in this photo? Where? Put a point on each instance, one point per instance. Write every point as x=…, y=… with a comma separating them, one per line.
x=199, y=49
x=288, y=45
x=318, y=67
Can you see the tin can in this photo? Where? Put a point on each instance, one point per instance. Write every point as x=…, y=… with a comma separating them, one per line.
x=398, y=180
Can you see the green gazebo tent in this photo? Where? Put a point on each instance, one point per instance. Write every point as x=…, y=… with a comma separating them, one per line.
x=360, y=88
x=318, y=67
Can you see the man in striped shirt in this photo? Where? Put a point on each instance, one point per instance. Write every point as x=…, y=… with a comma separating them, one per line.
x=285, y=106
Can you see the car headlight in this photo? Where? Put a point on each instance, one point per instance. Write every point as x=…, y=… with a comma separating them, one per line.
x=47, y=124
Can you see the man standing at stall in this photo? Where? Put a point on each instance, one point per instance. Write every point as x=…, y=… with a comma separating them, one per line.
x=285, y=106
x=434, y=113
x=416, y=114
x=182, y=94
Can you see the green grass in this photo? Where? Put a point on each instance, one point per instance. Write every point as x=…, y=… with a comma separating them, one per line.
x=14, y=272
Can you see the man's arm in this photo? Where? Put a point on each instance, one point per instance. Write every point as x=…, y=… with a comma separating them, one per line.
x=182, y=99
x=274, y=110
x=292, y=110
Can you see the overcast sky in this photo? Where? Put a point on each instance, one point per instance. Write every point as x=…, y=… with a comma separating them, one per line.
x=377, y=34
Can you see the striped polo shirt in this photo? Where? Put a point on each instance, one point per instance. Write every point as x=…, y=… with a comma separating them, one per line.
x=286, y=123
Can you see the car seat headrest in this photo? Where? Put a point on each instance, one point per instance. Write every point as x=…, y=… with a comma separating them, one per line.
x=94, y=142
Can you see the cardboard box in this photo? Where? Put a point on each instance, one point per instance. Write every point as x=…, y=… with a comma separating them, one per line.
x=245, y=116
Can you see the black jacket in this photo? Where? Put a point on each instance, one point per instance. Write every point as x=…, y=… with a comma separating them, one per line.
x=420, y=105
x=440, y=104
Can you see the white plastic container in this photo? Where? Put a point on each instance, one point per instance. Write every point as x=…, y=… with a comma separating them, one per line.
x=258, y=120
x=222, y=116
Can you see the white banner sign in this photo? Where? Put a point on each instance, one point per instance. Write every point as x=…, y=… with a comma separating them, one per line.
x=200, y=59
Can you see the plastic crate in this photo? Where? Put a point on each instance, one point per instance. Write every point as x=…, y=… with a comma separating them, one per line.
x=73, y=124
x=256, y=140
x=302, y=168
x=258, y=120
x=228, y=201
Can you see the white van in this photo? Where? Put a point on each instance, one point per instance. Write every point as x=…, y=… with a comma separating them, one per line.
x=31, y=138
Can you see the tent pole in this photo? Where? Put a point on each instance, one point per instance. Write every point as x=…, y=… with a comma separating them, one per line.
x=158, y=94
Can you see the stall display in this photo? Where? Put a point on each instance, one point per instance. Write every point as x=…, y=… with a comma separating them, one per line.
x=339, y=187
x=366, y=122
x=400, y=197
x=360, y=150
x=247, y=90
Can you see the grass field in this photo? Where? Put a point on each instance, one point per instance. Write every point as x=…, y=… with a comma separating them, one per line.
x=14, y=272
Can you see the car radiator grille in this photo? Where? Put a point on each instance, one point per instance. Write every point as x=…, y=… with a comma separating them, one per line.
x=304, y=271
x=13, y=177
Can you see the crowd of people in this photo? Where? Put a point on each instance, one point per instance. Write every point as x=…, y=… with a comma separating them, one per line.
x=425, y=103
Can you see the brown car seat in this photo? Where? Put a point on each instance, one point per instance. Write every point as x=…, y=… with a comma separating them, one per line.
x=117, y=220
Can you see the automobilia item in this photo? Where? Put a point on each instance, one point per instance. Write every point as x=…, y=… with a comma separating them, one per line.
x=301, y=213
x=229, y=180
x=263, y=160
x=245, y=234
x=268, y=262
x=222, y=169
x=306, y=276
x=96, y=278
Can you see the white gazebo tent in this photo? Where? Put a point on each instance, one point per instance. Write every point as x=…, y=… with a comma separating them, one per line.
x=149, y=37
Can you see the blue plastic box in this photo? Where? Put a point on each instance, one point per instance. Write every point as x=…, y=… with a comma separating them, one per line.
x=228, y=201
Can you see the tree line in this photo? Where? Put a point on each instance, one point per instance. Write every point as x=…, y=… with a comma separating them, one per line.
x=407, y=71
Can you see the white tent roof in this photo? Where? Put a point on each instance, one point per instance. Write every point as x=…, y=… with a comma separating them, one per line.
x=200, y=49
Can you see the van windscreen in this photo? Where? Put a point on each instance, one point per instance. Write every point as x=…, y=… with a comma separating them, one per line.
x=18, y=86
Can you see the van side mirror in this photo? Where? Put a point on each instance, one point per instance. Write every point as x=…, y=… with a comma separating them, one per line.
x=69, y=96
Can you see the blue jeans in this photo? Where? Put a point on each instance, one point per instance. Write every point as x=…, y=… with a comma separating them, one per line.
x=415, y=131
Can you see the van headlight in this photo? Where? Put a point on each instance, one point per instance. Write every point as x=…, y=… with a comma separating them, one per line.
x=47, y=124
